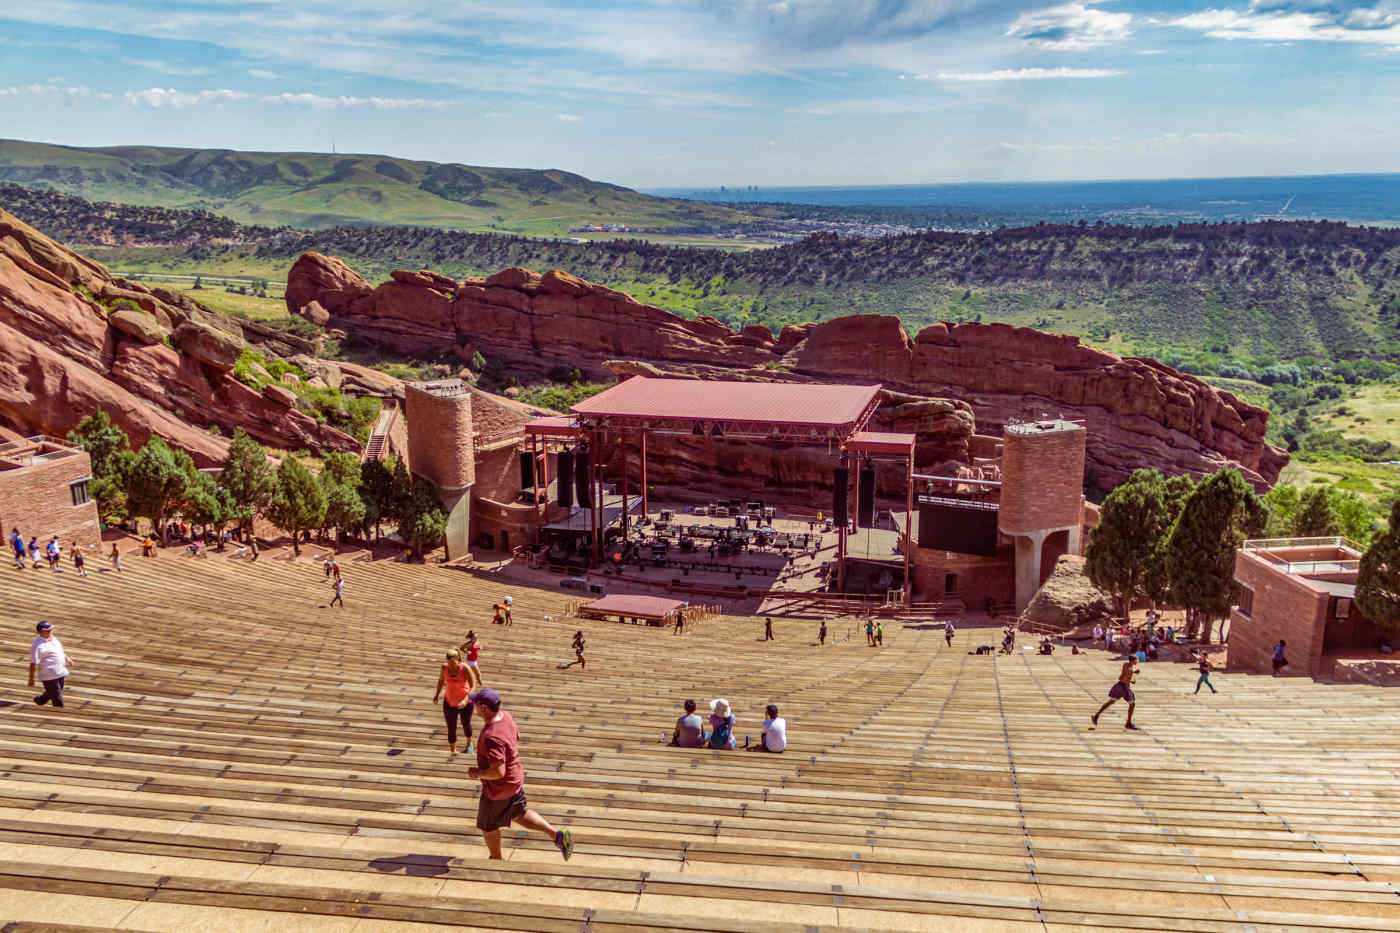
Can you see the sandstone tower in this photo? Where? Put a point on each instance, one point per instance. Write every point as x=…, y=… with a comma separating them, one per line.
x=1042, y=500
x=441, y=449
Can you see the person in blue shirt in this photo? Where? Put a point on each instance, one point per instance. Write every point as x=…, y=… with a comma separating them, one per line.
x=1280, y=660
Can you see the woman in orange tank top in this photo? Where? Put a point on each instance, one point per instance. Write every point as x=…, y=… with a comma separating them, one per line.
x=455, y=679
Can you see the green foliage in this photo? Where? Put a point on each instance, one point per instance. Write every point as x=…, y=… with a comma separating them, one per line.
x=559, y=397
x=376, y=490
x=102, y=440
x=1332, y=444
x=208, y=503
x=1378, y=582
x=340, y=480
x=158, y=480
x=299, y=504
x=1330, y=507
x=1314, y=517
x=1132, y=524
x=330, y=406
x=248, y=477
x=1219, y=514
x=425, y=520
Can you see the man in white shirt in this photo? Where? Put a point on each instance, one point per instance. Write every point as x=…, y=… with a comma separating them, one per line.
x=48, y=660
x=774, y=738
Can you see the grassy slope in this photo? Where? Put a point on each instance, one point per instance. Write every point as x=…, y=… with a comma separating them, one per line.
x=320, y=189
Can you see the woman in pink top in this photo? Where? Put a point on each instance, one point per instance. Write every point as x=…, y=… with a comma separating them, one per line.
x=455, y=705
x=472, y=649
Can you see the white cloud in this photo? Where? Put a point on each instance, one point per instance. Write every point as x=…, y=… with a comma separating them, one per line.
x=262, y=74
x=1071, y=27
x=54, y=87
x=1027, y=74
x=165, y=68
x=318, y=102
x=1377, y=25
x=567, y=117
x=161, y=97
x=1163, y=142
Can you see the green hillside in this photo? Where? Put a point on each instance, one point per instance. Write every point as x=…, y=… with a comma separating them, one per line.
x=315, y=190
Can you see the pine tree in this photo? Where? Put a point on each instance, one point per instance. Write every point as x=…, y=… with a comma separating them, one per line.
x=248, y=477
x=1314, y=517
x=376, y=489
x=157, y=483
x=299, y=504
x=1132, y=522
x=424, y=522
x=102, y=440
x=1378, y=582
x=1200, y=556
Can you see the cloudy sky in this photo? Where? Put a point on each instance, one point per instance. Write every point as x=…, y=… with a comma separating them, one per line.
x=654, y=93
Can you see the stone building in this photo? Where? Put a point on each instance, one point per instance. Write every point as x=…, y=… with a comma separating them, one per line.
x=44, y=492
x=1300, y=590
x=441, y=450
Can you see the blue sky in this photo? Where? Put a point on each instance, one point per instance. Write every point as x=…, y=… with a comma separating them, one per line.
x=655, y=93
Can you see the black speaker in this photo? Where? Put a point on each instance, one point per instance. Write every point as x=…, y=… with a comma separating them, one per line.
x=565, y=470
x=583, y=480
x=865, y=505
x=527, y=471
x=841, y=478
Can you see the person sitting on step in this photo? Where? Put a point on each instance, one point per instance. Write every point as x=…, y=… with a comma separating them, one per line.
x=774, y=736
x=721, y=725
x=690, y=729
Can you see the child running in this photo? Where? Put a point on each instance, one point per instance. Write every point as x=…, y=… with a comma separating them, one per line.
x=1204, y=666
x=339, y=583
x=78, y=561
x=579, y=645
x=1123, y=690
x=948, y=630
x=472, y=647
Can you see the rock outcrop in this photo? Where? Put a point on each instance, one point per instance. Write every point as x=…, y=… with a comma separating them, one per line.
x=73, y=340
x=1138, y=412
x=1067, y=600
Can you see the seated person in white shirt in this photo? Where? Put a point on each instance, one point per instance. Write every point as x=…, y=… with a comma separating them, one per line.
x=774, y=738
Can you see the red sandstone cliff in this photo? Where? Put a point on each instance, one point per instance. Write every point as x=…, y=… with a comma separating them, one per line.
x=64, y=354
x=1138, y=412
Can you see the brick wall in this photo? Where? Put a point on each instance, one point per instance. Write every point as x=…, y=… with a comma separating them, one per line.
x=1042, y=478
x=1284, y=607
x=979, y=577
x=36, y=499
x=440, y=443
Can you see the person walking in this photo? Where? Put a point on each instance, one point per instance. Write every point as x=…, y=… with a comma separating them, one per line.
x=34, y=552
x=252, y=549
x=49, y=662
x=1204, y=666
x=821, y=633
x=767, y=629
x=338, y=582
x=1123, y=690
x=116, y=557
x=948, y=630
x=78, y=561
x=579, y=645
x=17, y=545
x=870, y=632
x=1280, y=659
x=502, y=779
x=53, y=552
x=472, y=646
x=880, y=634
x=457, y=681
x=505, y=610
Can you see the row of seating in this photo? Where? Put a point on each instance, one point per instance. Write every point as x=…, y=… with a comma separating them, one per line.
x=236, y=755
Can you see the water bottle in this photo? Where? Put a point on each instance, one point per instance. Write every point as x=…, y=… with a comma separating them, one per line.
x=746, y=741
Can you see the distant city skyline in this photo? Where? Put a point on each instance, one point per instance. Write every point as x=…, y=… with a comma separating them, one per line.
x=703, y=93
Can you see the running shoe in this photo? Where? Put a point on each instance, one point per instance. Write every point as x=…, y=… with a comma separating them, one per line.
x=564, y=841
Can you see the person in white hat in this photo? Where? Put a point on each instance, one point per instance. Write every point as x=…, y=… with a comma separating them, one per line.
x=721, y=724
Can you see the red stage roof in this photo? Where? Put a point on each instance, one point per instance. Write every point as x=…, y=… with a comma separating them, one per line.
x=623, y=605
x=644, y=397
x=553, y=426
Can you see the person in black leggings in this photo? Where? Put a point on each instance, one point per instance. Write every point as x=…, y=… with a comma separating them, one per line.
x=455, y=705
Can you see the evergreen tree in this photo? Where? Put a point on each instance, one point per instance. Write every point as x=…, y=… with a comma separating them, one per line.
x=207, y=503
x=102, y=440
x=157, y=482
x=1200, y=556
x=340, y=480
x=1156, y=580
x=1132, y=522
x=298, y=504
x=1354, y=518
x=1282, y=503
x=248, y=477
x=1314, y=517
x=400, y=492
x=424, y=522
x=376, y=490
x=1378, y=582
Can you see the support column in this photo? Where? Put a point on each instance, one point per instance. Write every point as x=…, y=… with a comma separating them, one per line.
x=909, y=533
x=622, y=446
x=644, y=473
x=535, y=492
x=1028, y=566
x=841, y=534
x=593, y=449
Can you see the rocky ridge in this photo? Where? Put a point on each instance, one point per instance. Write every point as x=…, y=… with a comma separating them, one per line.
x=74, y=339
x=1138, y=412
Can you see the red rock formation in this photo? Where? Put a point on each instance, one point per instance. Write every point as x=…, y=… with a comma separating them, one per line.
x=1138, y=412
x=62, y=357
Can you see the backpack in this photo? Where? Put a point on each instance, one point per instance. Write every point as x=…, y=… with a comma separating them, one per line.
x=722, y=737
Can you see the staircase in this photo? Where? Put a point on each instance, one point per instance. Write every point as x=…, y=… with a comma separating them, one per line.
x=375, y=448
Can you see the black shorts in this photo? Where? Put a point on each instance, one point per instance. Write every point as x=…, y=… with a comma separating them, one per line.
x=1280, y=662
x=1121, y=691
x=498, y=814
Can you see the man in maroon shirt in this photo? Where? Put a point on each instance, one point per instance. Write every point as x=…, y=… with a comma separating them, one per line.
x=503, y=779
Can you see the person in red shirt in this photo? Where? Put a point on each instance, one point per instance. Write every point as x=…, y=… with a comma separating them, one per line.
x=503, y=779
x=471, y=648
